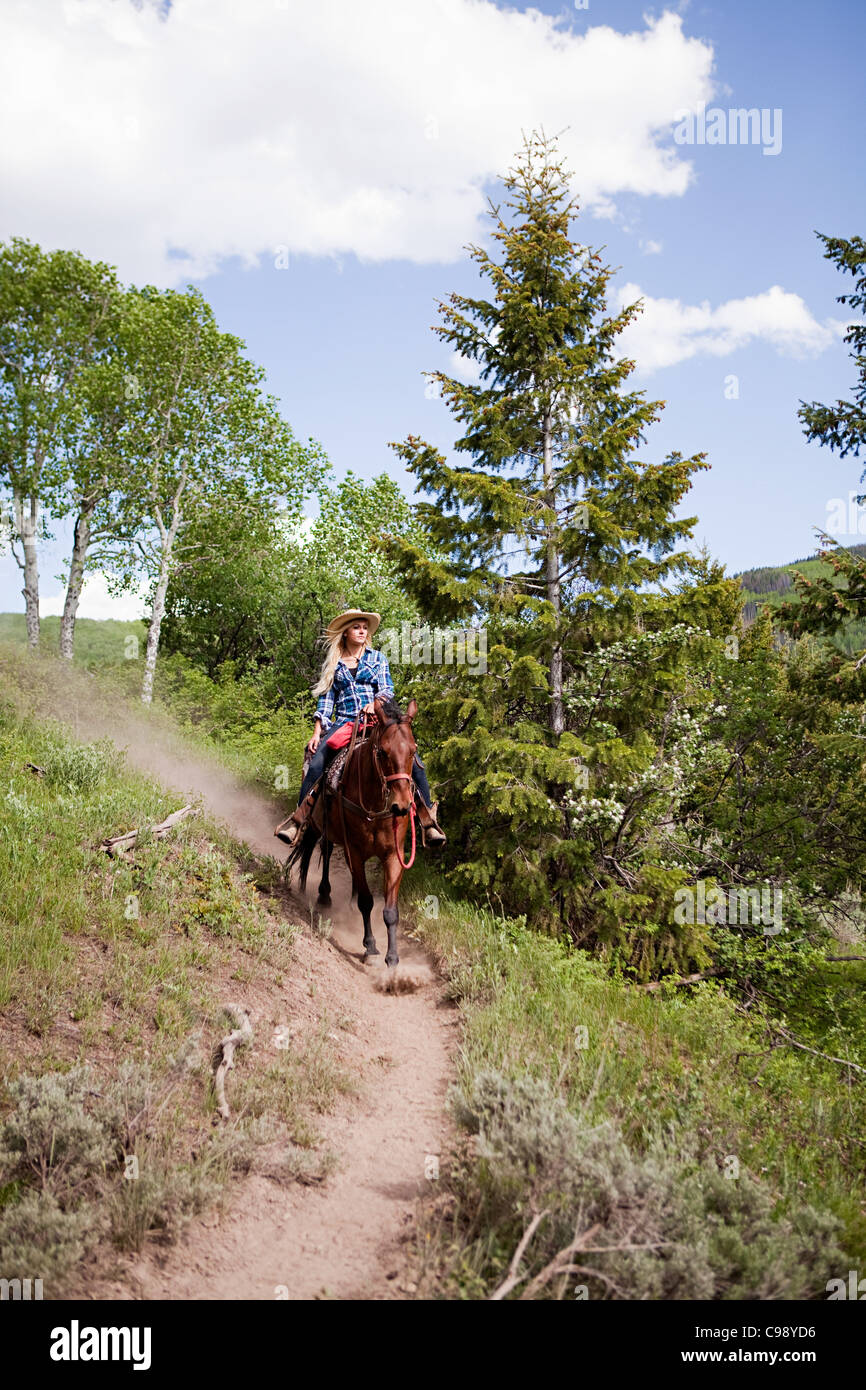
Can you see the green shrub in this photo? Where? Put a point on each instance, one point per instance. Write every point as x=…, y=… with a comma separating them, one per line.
x=62, y=1172
x=50, y=1139
x=657, y=1225
x=39, y=1240
x=81, y=767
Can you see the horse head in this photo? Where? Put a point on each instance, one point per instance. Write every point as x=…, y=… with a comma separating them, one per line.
x=394, y=752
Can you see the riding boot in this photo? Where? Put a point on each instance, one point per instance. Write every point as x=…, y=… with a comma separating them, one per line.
x=289, y=830
x=431, y=831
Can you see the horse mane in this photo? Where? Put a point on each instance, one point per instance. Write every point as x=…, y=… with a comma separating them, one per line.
x=392, y=709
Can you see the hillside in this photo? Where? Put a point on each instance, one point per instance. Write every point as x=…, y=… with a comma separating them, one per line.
x=120, y=975
x=710, y=1158
x=772, y=585
x=101, y=642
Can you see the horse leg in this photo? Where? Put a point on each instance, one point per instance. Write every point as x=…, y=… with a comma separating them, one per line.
x=365, y=906
x=393, y=873
x=325, y=884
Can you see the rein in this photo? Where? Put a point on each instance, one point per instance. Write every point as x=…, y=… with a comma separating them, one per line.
x=403, y=863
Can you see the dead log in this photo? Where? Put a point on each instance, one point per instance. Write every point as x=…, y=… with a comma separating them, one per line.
x=35, y=769
x=117, y=844
x=224, y=1054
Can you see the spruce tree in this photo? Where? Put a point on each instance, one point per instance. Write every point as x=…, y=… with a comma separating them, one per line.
x=552, y=533
x=552, y=515
x=842, y=426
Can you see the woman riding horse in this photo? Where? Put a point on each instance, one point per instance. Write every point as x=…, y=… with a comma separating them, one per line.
x=352, y=676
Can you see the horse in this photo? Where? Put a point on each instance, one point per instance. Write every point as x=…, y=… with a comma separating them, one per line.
x=368, y=817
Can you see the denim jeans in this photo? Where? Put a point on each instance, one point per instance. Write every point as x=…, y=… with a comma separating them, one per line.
x=324, y=754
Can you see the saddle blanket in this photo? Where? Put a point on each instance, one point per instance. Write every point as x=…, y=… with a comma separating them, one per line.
x=333, y=771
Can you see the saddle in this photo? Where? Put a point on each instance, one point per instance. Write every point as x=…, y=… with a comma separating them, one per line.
x=334, y=771
x=329, y=785
x=337, y=766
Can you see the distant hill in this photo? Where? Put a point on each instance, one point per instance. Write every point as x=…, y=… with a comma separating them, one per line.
x=774, y=585
x=101, y=641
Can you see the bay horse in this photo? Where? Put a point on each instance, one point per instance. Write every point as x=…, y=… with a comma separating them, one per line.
x=369, y=817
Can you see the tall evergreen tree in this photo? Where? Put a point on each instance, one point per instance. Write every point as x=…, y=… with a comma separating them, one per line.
x=557, y=538
x=828, y=604
x=553, y=516
x=842, y=426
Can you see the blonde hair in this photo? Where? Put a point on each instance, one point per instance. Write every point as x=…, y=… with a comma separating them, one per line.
x=334, y=650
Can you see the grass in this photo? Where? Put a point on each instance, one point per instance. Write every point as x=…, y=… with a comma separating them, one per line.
x=98, y=642
x=128, y=964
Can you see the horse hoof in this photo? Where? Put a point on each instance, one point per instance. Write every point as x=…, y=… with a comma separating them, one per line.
x=324, y=902
x=392, y=962
x=372, y=958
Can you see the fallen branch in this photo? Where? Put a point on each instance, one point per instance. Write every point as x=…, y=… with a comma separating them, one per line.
x=512, y=1278
x=792, y=1042
x=224, y=1054
x=845, y=957
x=120, y=843
x=561, y=1263
x=34, y=768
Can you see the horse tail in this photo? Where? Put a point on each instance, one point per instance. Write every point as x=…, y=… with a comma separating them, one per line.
x=301, y=853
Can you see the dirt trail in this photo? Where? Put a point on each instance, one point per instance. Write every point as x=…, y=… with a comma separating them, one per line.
x=341, y=1239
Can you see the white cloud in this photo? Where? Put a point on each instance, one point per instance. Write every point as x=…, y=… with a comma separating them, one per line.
x=669, y=331
x=97, y=602
x=464, y=368
x=167, y=138
x=651, y=248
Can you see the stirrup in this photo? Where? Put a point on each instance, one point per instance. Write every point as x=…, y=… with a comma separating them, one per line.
x=289, y=829
x=432, y=833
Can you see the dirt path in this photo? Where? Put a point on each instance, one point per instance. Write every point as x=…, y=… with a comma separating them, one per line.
x=341, y=1239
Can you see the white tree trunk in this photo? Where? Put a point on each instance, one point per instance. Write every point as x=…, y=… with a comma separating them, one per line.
x=156, y=616
x=26, y=522
x=557, y=714
x=76, y=580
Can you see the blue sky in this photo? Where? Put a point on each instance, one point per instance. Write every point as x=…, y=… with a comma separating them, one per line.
x=373, y=232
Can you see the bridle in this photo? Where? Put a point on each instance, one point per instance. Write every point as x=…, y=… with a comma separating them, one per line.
x=384, y=779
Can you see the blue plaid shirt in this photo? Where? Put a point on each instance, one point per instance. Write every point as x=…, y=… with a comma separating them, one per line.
x=353, y=690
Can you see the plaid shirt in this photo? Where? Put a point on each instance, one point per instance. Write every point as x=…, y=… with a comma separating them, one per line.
x=353, y=690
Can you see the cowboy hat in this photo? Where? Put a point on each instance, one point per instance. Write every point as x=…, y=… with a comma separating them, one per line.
x=353, y=615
